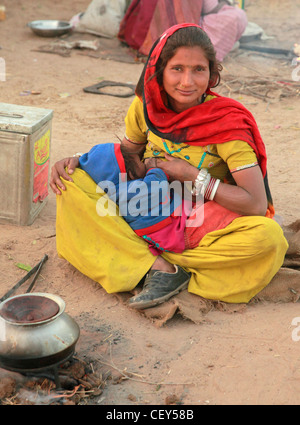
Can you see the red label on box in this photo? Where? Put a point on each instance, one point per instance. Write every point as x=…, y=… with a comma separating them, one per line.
x=41, y=167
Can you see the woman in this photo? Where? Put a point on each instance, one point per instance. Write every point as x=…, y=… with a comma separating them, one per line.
x=206, y=139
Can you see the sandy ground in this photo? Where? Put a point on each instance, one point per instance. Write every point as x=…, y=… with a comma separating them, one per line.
x=248, y=357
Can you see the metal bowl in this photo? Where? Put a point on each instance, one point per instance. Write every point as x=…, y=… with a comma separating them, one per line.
x=35, y=332
x=49, y=28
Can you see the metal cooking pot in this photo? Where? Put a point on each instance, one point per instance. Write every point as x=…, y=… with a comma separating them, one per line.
x=35, y=332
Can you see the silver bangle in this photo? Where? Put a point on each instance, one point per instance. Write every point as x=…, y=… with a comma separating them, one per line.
x=201, y=182
x=77, y=155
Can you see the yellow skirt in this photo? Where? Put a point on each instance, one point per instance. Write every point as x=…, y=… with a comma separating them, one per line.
x=231, y=264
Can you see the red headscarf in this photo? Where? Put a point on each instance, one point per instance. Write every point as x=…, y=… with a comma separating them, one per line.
x=219, y=120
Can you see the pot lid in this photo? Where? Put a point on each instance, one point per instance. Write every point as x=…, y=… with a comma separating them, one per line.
x=27, y=309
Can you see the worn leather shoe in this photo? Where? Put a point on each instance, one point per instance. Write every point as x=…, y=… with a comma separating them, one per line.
x=159, y=287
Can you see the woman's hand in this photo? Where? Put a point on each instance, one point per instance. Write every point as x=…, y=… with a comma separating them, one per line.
x=150, y=163
x=58, y=171
x=178, y=169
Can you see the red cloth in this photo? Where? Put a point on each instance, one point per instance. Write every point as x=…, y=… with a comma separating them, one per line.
x=215, y=217
x=186, y=230
x=136, y=22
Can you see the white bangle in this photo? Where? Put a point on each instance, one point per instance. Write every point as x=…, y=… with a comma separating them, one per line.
x=213, y=192
x=77, y=155
x=201, y=182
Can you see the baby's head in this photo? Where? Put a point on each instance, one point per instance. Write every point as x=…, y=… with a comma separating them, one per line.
x=135, y=168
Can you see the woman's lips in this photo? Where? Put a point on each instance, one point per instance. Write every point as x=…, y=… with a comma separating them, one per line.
x=185, y=92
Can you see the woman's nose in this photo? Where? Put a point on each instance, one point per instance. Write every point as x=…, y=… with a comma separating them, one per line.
x=186, y=79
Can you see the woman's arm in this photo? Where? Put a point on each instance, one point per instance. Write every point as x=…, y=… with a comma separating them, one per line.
x=134, y=147
x=248, y=197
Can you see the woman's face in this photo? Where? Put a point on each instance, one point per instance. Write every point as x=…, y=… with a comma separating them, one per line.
x=186, y=77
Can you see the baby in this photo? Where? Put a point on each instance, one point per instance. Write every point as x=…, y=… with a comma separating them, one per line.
x=152, y=208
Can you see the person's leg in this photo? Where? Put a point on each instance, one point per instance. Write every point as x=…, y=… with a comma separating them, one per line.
x=231, y=265
x=163, y=265
x=103, y=248
x=235, y=263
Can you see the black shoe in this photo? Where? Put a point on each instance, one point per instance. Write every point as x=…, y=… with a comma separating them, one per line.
x=159, y=287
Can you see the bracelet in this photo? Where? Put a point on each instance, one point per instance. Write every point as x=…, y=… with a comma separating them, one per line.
x=205, y=184
x=77, y=155
x=211, y=188
x=201, y=182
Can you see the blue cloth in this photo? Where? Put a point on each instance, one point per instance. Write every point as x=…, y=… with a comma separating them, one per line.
x=144, y=203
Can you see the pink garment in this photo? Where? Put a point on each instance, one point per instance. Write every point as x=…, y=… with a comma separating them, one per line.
x=171, y=237
x=223, y=28
x=187, y=230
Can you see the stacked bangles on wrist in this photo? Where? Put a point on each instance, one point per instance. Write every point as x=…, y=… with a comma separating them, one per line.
x=205, y=184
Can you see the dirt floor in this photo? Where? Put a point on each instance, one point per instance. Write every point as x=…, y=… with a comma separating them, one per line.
x=244, y=357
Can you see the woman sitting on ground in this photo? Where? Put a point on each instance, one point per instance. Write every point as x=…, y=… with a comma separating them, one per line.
x=206, y=139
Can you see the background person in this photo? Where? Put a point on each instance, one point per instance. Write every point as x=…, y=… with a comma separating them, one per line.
x=146, y=20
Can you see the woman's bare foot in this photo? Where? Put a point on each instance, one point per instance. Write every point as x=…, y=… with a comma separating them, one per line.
x=162, y=265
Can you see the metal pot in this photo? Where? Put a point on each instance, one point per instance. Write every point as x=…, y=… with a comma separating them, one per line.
x=35, y=332
x=50, y=28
